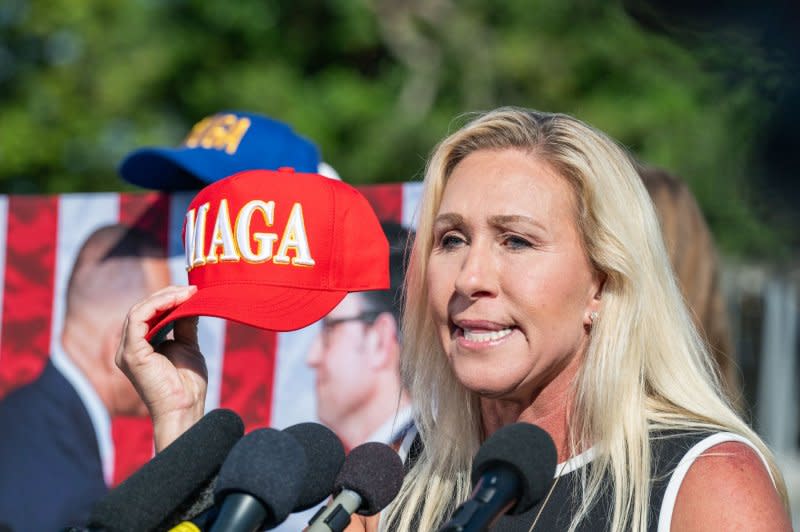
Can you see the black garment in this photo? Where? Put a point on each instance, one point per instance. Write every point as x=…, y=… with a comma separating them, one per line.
x=50, y=468
x=668, y=448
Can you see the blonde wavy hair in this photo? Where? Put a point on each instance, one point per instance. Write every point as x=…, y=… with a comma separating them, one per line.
x=646, y=367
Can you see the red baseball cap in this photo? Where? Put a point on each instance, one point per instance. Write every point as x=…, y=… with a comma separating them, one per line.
x=278, y=249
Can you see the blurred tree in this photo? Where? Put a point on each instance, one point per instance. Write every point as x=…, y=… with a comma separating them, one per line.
x=759, y=42
x=374, y=82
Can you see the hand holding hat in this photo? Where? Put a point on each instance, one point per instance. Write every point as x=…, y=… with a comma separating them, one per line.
x=172, y=381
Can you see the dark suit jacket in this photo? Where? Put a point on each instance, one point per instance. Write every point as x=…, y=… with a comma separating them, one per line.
x=50, y=468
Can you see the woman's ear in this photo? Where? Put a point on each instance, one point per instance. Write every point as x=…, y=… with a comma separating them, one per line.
x=594, y=306
x=601, y=278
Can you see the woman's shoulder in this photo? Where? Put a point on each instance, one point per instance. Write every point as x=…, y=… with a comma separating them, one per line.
x=714, y=480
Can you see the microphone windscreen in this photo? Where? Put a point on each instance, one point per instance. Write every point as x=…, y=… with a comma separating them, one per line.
x=375, y=472
x=194, y=507
x=324, y=455
x=529, y=451
x=178, y=473
x=268, y=464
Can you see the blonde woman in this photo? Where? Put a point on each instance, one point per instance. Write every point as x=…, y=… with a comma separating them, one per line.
x=539, y=290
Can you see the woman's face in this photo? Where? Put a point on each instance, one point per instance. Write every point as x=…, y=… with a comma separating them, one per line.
x=509, y=283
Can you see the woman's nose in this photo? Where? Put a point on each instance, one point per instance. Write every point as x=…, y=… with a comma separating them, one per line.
x=476, y=277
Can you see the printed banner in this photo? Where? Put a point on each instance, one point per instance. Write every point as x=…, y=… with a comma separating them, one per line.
x=261, y=375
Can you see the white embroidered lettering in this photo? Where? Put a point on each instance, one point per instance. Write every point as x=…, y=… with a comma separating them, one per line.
x=189, y=237
x=195, y=236
x=222, y=236
x=265, y=241
x=294, y=237
x=233, y=242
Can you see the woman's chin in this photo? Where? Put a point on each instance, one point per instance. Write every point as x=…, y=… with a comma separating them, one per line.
x=487, y=382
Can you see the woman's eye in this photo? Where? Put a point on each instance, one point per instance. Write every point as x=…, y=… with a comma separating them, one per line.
x=450, y=241
x=516, y=242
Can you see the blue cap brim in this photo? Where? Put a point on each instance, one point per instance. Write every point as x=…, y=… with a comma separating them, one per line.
x=167, y=169
x=173, y=169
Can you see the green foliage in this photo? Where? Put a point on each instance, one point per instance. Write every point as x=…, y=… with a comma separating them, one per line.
x=375, y=83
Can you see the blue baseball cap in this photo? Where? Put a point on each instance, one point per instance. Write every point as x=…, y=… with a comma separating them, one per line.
x=218, y=146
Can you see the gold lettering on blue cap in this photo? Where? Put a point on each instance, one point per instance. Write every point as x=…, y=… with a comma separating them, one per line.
x=235, y=241
x=294, y=237
x=218, y=132
x=193, y=139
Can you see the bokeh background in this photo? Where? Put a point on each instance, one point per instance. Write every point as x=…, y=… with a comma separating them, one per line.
x=705, y=91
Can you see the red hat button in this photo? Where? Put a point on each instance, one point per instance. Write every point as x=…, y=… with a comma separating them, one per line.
x=286, y=169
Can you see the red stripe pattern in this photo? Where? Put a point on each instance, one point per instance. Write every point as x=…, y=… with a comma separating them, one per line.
x=386, y=201
x=148, y=212
x=248, y=371
x=28, y=293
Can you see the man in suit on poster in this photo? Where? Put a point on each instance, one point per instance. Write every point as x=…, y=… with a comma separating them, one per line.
x=356, y=358
x=56, y=452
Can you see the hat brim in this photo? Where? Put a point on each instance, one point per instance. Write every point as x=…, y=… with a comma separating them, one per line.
x=180, y=169
x=172, y=168
x=273, y=308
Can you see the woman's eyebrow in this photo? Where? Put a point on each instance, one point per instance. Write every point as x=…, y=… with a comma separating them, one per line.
x=448, y=219
x=502, y=220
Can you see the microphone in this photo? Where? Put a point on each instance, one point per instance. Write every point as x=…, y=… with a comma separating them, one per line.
x=260, y=482
x=510, y=474
x=150, y=496
x=324, y=455
x=368, y=481
x=201, y=516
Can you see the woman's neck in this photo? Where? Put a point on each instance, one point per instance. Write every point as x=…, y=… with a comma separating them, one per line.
x=549, y=408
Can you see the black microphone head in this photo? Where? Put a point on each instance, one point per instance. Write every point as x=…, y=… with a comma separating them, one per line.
x=150, y=495
x=325, y=455
x=271, y=466
x=375, y=472
x=528, y=450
